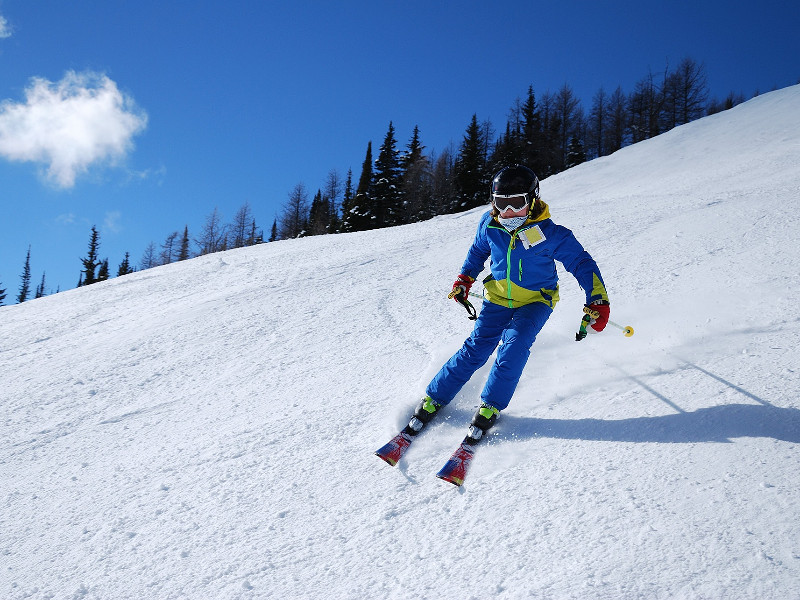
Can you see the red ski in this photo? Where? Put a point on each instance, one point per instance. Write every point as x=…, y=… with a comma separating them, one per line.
x=397, y=446
x=455, y=471
x=393, y=451
x=456, y=468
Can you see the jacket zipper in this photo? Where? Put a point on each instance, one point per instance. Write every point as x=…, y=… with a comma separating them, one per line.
x=508, y=270
x=508, y=263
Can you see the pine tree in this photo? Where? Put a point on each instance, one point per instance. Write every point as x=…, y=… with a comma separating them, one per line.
x=507, y=150
x=575, y=154
x=333, y=220
x=315, y=215
x=90, y=263
x=273, y=236
x=40, y=288
x=183, y=253
x=386, y=183
x=25, y=285
x=333, y=189
x=471, y=175
x=319, y=218
x=254, y=238
x=415, y=181
x=444, y=193
x=413, y=152
x=362, y=215
x=714, y=106
x=102, y=272
x=2, y=296
x=527, y=151
x=125, y=266
x=348, y=203
x=509, y=147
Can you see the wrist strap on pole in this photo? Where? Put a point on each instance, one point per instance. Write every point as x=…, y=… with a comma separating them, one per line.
x=461, y=298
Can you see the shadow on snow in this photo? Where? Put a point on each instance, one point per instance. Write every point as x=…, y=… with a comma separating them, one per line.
x=714, y=424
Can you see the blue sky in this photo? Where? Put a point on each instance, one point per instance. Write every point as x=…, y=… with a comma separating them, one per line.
x=176, y=107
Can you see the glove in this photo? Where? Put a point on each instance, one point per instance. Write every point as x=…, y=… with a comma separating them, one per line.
x=461, y=286
x=601, y=321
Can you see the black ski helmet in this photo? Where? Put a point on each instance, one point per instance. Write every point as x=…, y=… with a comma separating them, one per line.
x=516, y=180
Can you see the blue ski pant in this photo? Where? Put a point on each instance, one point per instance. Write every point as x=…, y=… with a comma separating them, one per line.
x=515, y=329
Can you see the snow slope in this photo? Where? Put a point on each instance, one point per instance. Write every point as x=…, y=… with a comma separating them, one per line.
x=205, y=430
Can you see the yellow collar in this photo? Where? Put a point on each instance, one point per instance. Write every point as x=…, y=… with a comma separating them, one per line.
x=544, y=215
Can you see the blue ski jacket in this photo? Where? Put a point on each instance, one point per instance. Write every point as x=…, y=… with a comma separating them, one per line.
x=523, y=266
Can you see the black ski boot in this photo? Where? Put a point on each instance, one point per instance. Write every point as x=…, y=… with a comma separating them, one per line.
x=423, y=415
x=481, y=423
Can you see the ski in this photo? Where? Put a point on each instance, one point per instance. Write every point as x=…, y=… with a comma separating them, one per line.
x=394, y=450
x=455, y=470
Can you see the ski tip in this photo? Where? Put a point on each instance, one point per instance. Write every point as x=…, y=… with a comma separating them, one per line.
x=456, y=481
x=387, y=459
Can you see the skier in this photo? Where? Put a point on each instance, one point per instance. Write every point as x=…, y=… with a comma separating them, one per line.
x=520, y=294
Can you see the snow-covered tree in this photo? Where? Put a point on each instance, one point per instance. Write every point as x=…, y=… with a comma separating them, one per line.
x=386, y=183
x=360, y=215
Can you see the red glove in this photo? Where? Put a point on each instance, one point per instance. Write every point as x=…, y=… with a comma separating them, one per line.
x=601, y=321
x=463, y=282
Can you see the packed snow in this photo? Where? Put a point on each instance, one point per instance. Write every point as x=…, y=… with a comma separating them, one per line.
x=206, y=429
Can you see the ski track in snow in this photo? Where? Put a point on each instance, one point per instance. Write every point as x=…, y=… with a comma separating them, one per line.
x=206, y=429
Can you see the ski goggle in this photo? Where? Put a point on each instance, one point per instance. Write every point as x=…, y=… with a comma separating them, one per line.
x=515, y=202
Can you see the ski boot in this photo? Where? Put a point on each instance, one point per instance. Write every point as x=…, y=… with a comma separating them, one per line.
x=393, y=451
x=423, y=415
x=481, y=423
x=455, y=470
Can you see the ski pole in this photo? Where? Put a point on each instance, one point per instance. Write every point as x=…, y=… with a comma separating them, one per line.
x=590, y=314
x=461, y=297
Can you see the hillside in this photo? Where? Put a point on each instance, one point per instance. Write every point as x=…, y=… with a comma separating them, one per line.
x=205, y=429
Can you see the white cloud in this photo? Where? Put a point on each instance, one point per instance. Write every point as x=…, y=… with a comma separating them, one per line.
x=66, y=219
x=112, y=221
x=70, y=125
x=158, y=175
x=5, y=30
